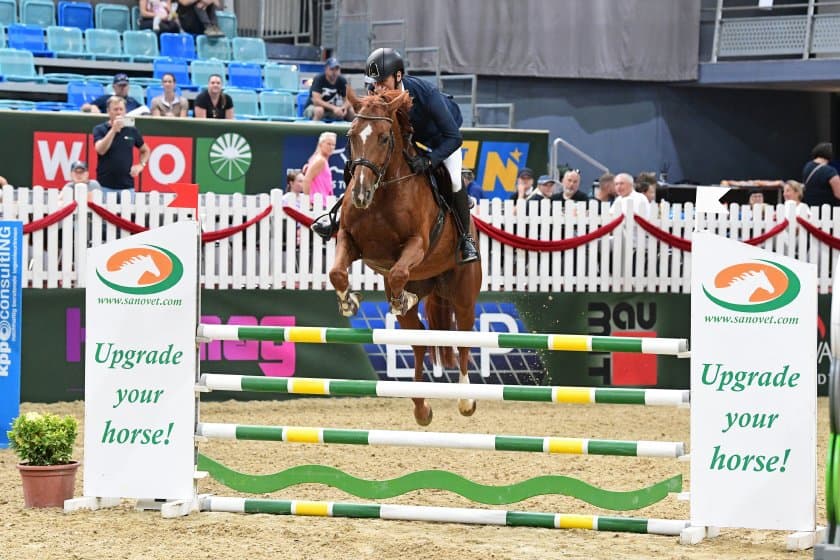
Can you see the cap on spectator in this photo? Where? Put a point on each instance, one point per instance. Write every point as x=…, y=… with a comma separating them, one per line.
x=121, y=78
x=545, y=179
x=525, y=172
x=78, y=165
x=332, y=62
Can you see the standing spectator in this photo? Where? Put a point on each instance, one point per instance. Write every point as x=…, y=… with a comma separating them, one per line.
x=793, y=192
x=3, y=181
x=544, y=190
x=159, y=16
x=99, y=105
x=294, y=187
x=327, y=95
x=213, y=103
x=605, y=191
x=570, y=187
x=819, y=179
x=169, y=103
x=627, y=196
x=79, y=175
x=115, y=141
x=474, y=190
x=317, y=176
x=647, y=189
x=524, y=184
x=199, y=17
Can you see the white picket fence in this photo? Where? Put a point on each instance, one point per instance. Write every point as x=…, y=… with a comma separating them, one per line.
x=264, y=256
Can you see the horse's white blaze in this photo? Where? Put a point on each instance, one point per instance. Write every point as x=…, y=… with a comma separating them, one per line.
x=366, y=131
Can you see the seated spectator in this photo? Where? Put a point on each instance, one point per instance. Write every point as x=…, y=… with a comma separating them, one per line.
x=524, y=184
x=327, y=95
x=100, y=104
x=199, y=17
x=570, y=187
x=213, y=103
x=169, y=103
x=628, y=197
x=605, y=191
x=79, y=175
x=544, y=190
x=474, y=190
x=159, y=16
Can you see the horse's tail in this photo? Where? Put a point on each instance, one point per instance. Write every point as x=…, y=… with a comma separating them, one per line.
x=439, y=314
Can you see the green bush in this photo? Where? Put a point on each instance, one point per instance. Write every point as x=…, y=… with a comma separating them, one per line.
x=43, y=439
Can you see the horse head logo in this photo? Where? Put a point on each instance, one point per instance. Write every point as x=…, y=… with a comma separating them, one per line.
x=753, y=287
x=147, y=269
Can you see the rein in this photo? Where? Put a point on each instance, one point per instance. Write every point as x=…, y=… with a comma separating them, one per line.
x=379, y=171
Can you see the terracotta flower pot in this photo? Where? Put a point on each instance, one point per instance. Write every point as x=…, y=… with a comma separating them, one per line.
x=48, y=486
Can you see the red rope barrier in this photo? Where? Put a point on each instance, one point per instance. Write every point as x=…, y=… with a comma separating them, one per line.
x=50, y=219
x=685, y=244
x=822, y=236
x=529, y=244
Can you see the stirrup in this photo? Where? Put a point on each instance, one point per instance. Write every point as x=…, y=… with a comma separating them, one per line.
x=325, y=227
x=469, y=253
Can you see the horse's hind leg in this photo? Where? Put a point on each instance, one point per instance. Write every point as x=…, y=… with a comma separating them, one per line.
x=465, y=321
x=411, y=320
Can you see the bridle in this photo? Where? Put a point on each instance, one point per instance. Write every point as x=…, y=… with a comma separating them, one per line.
x=379, y=171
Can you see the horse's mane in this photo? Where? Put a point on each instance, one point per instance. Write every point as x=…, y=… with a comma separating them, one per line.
x=388, y=97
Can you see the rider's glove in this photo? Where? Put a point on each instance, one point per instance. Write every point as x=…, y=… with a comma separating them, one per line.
x=420, y=164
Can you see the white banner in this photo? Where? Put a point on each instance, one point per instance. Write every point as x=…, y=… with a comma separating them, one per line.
x=140, y=361
x=753, y=387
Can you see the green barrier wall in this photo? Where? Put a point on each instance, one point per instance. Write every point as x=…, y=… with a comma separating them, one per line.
x=230, y=156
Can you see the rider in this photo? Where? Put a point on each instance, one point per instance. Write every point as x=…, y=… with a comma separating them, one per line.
x=435, y=120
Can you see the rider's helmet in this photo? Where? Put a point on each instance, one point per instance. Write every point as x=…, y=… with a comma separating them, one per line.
x=382, y=63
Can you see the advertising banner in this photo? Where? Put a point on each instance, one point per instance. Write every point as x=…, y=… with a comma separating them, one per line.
x=140, y=363
x=753, y=387
x=11, y=299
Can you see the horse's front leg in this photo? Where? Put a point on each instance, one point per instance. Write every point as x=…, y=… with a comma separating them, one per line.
x=413, y=253
x=345, y=253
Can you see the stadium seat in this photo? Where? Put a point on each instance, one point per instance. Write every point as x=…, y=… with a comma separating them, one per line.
x=113, y=16
x=218, y=48
x=17, y=105
x=249, y=49
x=37, y=12
x=2, y=37
x=135, y=18
x=104, y=44
x=245, y=75
x=201, y=70
x=245, y=103
x=79, y=93
x=8, y=12
x=154, y=91
x=62, y=77
x=28, y=37
x=103, y=79
x=54, y=106
x=302, y=100
x=66, y=42
x=75, y=14
x=177, y=45
x=282, y=76
x=17, y=65
x=277, y=105
x=227, y=23
x=178, y=68
x=141, y=46
x=144, y=81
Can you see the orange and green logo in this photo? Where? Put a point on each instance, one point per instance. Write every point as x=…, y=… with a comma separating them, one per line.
x=753, y=287
x=147, y=269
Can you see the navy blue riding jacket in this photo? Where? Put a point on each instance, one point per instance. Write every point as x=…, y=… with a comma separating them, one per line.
x=435, y=119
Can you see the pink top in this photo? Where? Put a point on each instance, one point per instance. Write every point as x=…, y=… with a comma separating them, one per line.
x=322, y=183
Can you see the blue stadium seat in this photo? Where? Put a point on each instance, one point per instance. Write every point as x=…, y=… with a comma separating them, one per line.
x=8, y=12
x=141, y=46
x=177, y=45
x=17, y=65
x=113, y=16
x=227, y=23
x=282, y=76
x=62, y=77
x=249, y=49
x=154, y=91
x=277, y=105
x=245, y=103
x=302, y=100
x=28, y=37
x=75, y=14
x=144, y=81
x=218, y=48
x=66, y=42
x=245, y=75
x=37, y=12
x=201, y=70
x=178, y=68
x=54, y=106
x=17, y=105
x=104, y=44
x=103, y=79
x=135, y=18
x=79, y=93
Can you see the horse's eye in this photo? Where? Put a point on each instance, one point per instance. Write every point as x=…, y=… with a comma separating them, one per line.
x=383, y=139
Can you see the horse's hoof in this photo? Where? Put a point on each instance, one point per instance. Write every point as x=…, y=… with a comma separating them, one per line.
x=467, y=409
x=424, y=420
x=349, y=306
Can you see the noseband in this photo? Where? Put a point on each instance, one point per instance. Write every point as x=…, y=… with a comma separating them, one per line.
x=379, y=171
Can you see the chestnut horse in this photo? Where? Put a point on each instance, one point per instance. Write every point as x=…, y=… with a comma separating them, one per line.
x=388, y=219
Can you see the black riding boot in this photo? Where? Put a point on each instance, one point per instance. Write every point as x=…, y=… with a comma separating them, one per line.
x=326, y=226
x=466, y=245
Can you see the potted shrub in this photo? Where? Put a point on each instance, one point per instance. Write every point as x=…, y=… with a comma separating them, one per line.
x=44, y=444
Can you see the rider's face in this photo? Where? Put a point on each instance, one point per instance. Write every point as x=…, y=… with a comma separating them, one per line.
x=387, y=84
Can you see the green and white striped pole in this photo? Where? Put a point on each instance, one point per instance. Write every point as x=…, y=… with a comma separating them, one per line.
x=404, y=438
x=446, y=515
x=413, y=389
x=472, y=339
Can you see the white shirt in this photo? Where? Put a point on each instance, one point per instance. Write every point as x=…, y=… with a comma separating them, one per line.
x=641, y=204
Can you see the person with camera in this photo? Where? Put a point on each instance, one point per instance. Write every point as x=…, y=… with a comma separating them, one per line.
x=115, y=141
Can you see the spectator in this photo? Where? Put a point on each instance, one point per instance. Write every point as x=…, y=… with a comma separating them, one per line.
x=605, y=191
x=317, y=176
x=213, y=103
x=294, y=187
x=79, y=175
x=756, y=198
x=474, y=190
x=3, y=181
x=159, y=16
x=627, y=197
x=647, y=189
x=819, y=179
x=169, y=103
x=793, y=191
x=524, y=184
x=100, y=104
x=199, y=17
x=544, y=190
x=115, y=141
x=569, y=187
x=327, y=95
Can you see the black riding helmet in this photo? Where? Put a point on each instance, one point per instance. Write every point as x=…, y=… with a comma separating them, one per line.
x=382, y=63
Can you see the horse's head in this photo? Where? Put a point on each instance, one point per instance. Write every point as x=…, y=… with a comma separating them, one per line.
x=372, y=141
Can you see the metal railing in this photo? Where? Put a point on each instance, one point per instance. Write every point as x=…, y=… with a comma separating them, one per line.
x=554, y=157
x=277, y=19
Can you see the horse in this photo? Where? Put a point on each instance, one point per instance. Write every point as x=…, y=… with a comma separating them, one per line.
x=390, y=219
